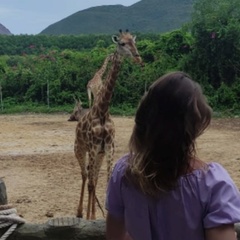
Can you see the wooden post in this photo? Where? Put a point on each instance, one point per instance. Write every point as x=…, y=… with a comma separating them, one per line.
x=3, y=193
x=1, y=98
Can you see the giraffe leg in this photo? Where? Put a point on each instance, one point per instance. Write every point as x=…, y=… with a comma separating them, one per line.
x=91, y=195
x=91, y=173
x=95, y=163
x=98, y=164
x=80, y=206
x=109, y=158
x=80, y=154
x=93, y=206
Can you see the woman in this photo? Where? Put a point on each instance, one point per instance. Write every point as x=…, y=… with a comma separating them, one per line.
x=161, y=190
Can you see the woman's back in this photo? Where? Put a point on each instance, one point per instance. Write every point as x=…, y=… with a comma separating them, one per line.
x=205, y=198
x=158, y=192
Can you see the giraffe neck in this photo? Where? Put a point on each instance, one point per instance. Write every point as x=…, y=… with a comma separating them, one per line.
x=101, y=106
x=102, y=70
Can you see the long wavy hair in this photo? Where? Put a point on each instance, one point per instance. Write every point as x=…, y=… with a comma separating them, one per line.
x=171, y=115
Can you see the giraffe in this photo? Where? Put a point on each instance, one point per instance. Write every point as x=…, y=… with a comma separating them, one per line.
x=95, y=84
x=95, y=131
x=78, y=111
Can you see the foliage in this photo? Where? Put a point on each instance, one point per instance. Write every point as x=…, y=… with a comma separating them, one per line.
x=34, y=108
x=215, y=55
x=37, y=44
x=48, y=76
x=123, y=110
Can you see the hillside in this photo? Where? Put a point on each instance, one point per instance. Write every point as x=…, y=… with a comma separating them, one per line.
x=4, y=30
x=149, y=16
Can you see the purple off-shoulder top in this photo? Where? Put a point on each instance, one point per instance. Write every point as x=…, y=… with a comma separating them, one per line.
x=205, y=198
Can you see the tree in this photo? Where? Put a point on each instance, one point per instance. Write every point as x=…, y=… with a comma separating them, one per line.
x=2, y=71
x=216, y=28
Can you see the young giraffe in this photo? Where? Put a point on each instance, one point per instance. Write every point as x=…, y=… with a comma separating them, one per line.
x=78, y=111
x=95, y=84
x=95, y=130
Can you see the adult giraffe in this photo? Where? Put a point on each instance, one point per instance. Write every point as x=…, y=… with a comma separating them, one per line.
x=95, y=130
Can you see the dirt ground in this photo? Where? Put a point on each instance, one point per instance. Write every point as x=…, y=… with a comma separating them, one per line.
x=43, y=177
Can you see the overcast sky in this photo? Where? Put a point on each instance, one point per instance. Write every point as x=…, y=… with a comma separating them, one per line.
x=32, y=16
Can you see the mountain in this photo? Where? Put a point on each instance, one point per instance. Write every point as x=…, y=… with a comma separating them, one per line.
x=4, y=30
x=149, y=16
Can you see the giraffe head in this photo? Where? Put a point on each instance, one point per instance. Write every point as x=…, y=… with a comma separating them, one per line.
x=78, y=111
x=126, y=46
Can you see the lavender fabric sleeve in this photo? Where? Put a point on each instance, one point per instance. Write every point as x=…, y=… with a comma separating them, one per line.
x=223, y=198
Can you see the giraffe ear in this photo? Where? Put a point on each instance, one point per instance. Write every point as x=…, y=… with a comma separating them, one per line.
x=134, y=38
x=75, y=99
x=115, y=39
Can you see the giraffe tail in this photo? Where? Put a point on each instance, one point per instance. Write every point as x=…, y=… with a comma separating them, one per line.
x=100, y=206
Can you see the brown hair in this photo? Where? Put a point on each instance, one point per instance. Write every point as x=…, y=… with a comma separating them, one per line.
x=171, y=115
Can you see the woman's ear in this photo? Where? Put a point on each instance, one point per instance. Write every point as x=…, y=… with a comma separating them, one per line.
x=115, y=39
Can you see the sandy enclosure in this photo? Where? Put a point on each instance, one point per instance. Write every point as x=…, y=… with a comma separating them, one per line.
x=42, y=174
